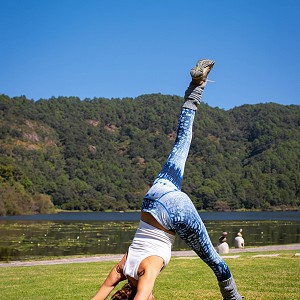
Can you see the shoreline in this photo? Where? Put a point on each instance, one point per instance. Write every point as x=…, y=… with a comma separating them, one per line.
x=116, y=257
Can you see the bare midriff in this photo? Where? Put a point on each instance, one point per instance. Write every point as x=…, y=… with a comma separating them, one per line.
x=149, y=219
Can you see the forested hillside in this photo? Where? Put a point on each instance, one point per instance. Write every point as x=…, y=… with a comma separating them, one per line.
x=100, y=154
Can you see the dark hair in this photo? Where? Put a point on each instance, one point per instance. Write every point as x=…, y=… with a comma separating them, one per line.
x=127, y=292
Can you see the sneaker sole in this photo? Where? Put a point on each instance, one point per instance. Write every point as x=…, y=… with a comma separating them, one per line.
x=202, y=69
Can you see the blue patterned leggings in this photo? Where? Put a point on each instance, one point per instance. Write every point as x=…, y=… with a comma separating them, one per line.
x=173, y=209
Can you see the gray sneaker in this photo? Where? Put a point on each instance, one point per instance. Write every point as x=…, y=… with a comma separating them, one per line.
x=200, y=72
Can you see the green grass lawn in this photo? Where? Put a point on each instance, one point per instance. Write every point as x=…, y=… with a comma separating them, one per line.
x=185, y=278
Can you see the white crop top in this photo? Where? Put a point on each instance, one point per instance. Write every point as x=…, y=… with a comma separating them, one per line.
x=148, y=241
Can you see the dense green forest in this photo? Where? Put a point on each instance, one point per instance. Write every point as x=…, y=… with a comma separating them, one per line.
x=99, y=154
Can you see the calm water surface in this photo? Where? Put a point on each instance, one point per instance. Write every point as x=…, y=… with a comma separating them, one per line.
x=27, y=237
x=135, y=216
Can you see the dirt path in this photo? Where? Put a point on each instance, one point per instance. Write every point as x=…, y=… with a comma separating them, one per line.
x=116, y=257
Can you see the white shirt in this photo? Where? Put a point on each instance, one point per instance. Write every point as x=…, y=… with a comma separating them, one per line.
x=148, y=241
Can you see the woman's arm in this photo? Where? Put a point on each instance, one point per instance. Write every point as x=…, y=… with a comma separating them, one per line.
x=114, y=277
x=151, y=267
x=145, y=287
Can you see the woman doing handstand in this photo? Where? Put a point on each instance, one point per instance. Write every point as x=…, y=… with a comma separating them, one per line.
x=166, y=210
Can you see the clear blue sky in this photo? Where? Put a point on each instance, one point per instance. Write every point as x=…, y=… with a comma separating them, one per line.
x=126, y=48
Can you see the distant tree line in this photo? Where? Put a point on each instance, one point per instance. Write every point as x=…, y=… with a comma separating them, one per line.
x=103, y=154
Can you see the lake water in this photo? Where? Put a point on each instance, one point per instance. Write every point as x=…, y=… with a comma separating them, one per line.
x=134, y=216
x=27, y=237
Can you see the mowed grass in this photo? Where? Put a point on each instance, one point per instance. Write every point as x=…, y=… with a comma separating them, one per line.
x=185, y=278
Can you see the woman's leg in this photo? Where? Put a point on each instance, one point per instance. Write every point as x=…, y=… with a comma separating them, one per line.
x=174, y=167
x=173, y=170
x=189, y=226
x=171, y=175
